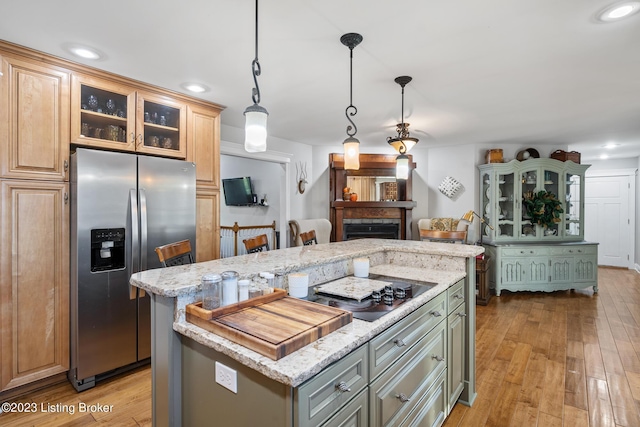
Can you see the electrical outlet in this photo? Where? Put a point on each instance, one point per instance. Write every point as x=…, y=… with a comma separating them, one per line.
x=227, y=377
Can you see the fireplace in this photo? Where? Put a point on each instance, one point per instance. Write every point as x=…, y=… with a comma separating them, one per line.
x=371, y=230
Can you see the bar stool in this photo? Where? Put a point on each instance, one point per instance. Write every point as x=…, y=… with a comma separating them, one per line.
x=172, y=254
x=256, y=244
x=308, y=238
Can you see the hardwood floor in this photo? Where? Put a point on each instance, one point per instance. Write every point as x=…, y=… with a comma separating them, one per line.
x=558, y=359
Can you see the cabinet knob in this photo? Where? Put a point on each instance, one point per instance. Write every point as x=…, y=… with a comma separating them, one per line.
x=435, y=313
x=342, y=387
x=521, y=252
x=402, y=397
x=437, y=357
x=462, y=314
x=399, y=342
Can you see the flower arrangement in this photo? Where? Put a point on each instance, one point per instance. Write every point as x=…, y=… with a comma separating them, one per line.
x=543, y=207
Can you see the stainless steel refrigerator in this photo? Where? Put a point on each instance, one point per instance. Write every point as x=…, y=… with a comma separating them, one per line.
x=122, y=207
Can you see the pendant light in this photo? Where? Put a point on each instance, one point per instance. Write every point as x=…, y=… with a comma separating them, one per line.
x=351, y=145
x=403, y=142
x=255, y=128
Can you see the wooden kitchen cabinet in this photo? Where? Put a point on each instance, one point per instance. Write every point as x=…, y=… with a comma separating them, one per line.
x=456, y=351
x=34, y=292
x=203, y=144
x=34, y=119
x=207, y=224
x=111, y=115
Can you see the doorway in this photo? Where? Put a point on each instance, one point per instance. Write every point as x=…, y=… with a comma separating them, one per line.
x=610, y=216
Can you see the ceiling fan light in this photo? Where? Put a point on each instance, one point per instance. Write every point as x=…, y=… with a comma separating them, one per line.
x=402, y=145
x=403, y=142
x=255, y=129
x=351, y=148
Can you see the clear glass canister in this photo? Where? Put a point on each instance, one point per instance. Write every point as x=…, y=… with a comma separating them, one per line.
x=243, y=289
x=229, y=287
x=211, y=291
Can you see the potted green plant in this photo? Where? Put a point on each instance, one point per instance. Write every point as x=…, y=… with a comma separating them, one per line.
x=542, y=207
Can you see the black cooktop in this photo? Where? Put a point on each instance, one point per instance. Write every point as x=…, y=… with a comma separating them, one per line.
x=379, y=303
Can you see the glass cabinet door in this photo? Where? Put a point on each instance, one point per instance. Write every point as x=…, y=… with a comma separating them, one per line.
x=506, y=196
x=161, y=126
x=102, y=114
x=572, y=214
x=529, y=186
x=552, y=184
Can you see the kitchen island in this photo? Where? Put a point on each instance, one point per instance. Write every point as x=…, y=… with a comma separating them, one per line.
x=288, y=391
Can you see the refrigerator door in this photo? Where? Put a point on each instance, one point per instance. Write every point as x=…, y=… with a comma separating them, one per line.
x=104, y=317
x=167, y=194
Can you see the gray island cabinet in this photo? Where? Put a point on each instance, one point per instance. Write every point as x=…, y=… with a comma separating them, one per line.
x=407, y=368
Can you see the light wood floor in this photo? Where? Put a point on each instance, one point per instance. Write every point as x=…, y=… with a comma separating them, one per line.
x=557, y=359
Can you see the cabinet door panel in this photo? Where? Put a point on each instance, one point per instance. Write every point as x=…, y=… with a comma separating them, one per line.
x=456, y=353
x=34, y=120
x=203, y=144
x=207, y=224
x=164, y=133
x=35, y=281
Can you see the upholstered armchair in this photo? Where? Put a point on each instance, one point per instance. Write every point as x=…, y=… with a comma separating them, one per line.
x=321, y=226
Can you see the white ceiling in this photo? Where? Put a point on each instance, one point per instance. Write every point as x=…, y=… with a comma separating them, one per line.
x=496, y=71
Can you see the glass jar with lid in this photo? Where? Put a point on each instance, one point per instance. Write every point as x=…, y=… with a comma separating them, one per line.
x=211, y=291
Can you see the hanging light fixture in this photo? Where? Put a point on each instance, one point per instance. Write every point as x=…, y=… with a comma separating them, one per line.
x=351, y=145
x=255, y=128
x=403, y=142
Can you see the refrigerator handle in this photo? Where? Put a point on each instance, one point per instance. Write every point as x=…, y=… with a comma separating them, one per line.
x=143, y=230
x=135, y=248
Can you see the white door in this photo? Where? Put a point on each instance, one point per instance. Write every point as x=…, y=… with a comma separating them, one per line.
x=609, y=218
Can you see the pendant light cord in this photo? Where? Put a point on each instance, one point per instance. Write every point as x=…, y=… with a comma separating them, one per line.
x=255, y=67
x=351, y=110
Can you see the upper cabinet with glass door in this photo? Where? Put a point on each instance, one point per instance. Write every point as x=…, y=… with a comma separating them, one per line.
x=504, y=188
x=113, y=116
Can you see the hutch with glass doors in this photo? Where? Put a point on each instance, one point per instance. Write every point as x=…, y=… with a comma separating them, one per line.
x=536, y=208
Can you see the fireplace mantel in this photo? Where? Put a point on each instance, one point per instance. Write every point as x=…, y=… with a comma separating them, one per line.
x=397, y=211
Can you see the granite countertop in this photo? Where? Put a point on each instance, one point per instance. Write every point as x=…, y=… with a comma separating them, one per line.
x=440, y=263
x=303, y=364
x=183, y=280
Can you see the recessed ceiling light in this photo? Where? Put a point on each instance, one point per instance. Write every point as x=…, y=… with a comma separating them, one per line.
x=195, y=87
x=611, y=145
x=619, y=11
x=604, y=156
x=83, y=52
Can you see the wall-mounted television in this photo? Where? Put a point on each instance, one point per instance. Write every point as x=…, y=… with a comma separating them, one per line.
x=238, y=191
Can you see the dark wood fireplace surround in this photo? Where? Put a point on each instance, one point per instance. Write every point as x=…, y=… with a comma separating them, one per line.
x=370, y=165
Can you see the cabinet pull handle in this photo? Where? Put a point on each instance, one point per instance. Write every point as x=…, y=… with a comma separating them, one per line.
x=399, y=342
x=133, y=137
x=403, y=397
x=438, y=358
x=66, y=198
x=435, y=313
x=342, y=387
x=462, y=314
x=66, y=165
x=139, y=138
x=458, y=296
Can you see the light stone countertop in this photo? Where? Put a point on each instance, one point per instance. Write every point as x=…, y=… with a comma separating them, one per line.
x=441, y=263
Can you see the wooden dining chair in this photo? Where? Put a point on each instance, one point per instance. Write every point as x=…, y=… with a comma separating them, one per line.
x=308, y=238
x=178, y=253
x=256, y=244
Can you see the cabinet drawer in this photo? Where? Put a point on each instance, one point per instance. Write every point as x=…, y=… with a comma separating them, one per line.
x=525, y=251
x=395, y=393
x=574, y=250
x=455, y=295
x=320, y=397
x=354, y=414
x=387, y=347
x=431, y=409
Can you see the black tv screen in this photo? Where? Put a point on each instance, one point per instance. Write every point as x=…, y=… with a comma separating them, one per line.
x=237, y=191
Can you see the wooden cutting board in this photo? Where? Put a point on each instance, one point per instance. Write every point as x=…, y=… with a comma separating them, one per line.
x=274, y=328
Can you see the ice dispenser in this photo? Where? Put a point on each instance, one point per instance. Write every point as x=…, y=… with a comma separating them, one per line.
x=107, y=249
